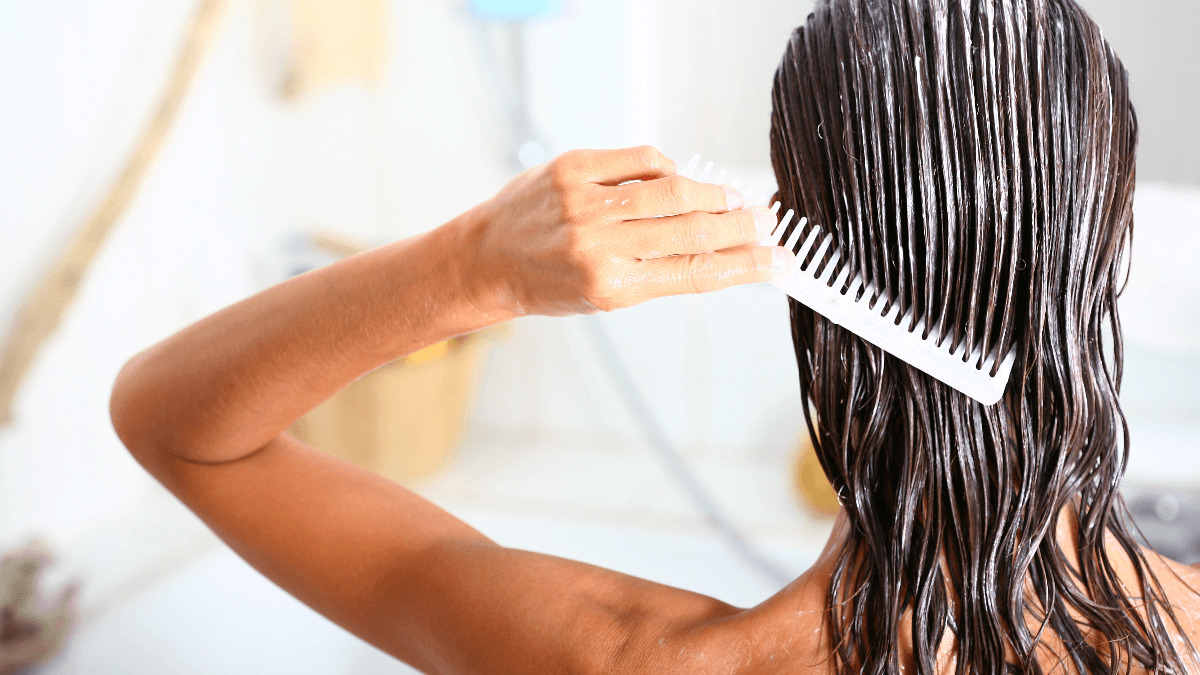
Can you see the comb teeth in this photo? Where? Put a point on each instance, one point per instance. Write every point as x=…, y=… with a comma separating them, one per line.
x=870, y=313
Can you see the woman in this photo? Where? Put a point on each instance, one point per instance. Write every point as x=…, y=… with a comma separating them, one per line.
x=996, y=141
x=962, y=528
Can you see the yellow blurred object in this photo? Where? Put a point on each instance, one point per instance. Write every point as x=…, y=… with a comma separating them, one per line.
x=336, y=41
x=430, y=353
x=336, y=243
x=405, y=420
x=810, y=482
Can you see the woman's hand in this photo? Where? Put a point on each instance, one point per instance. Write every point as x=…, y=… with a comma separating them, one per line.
x=575, y=236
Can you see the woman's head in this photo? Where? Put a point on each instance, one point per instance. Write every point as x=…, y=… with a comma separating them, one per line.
x=975, y=158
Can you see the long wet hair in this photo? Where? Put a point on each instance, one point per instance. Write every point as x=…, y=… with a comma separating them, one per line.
x=976, y=159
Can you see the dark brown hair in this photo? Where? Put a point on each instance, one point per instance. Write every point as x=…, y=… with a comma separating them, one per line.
x=976, y=159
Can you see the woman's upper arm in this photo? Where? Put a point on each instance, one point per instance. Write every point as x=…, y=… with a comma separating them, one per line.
x=415, y=581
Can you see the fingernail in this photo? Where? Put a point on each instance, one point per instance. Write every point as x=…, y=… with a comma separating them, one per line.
x=733, y=199
x=782, y=260
x=764, y=221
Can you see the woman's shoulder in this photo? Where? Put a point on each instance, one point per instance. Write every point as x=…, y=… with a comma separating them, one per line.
x=1181, y=585
x=785, y=633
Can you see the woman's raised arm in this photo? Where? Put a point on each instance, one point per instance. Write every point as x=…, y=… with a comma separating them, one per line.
x=205, y=411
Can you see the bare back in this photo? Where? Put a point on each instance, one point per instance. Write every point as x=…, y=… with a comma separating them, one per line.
x=787, y=634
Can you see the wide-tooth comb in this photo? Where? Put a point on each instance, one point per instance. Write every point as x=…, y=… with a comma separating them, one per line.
x=873, y=315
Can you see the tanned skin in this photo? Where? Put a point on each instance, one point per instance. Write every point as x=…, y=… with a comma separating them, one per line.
x=205, y=411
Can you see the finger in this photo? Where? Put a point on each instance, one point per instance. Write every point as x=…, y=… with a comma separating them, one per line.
x=672, y=195
x=612, y=167
x=695, y=232
x=706, y=272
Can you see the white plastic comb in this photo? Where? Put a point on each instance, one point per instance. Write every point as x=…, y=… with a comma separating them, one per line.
x=865, y=311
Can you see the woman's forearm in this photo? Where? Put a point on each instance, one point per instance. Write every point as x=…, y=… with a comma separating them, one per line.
x=586, y=232
x=204, y=410
x=224, y=387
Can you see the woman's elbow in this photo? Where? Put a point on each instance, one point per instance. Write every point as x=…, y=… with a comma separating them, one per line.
x=128, y=411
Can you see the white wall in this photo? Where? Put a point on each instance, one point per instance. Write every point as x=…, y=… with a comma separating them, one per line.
x=240, y=171
x=1156, y=40
x=718, y=62
x=719, y=57
x=90, y=73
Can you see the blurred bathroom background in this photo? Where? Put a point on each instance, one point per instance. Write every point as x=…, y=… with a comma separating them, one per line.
x=313, y=127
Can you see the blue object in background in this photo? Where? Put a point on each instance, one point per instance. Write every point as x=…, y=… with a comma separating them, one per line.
x=511, y=10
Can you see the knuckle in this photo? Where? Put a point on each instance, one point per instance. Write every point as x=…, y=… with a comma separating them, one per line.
x=678, y=192
x=701, y=273
x=584, y=256
x=650, y=159
x=745, y=227
x=759, y=263
x=562, y=171
x=696, y=231
x=574, y=247
x=568, y=160
x=573, y=207
x=602, y=288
